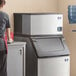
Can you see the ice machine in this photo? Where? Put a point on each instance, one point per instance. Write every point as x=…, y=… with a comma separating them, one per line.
x=46, y=52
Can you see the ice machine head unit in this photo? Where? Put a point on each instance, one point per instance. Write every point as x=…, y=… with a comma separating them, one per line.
x=38, y=24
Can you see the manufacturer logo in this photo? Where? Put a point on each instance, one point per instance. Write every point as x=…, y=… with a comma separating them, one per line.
x=66, y=59
x=58, y=18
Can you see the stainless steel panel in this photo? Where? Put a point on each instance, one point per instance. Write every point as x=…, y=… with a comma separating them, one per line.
x=46, y=24
x=16, y=59
x=50, y=47
x=57, y=66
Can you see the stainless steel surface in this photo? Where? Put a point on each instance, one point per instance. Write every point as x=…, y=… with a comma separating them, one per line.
x=38, y=24
x=16, y=59
x=46, y=24
x=57, y=66
x=47, y=47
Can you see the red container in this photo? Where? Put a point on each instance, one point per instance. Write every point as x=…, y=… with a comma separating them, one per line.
x=11, y=34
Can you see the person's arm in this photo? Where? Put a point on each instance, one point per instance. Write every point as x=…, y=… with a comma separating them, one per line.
x=8, y=30
x=8, y=35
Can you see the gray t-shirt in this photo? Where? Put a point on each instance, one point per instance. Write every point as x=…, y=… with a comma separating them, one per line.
x=4, y=23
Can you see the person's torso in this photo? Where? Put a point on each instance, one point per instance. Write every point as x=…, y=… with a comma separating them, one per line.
x=3, y=20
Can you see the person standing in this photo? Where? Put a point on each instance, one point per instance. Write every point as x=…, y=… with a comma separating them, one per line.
x=4, y=27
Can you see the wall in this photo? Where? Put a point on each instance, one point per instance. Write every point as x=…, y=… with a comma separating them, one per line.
x=69, y=35
x=13, y=6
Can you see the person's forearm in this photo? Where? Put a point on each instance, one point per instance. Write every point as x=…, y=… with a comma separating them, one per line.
x=8, y=33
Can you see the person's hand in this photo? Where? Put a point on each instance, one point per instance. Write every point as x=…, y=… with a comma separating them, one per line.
x=9, y=41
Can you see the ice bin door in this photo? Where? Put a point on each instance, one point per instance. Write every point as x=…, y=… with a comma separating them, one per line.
x=50, y=47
